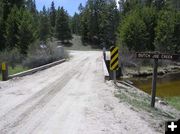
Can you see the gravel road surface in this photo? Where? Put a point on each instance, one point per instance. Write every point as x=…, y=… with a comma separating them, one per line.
x=70, y=98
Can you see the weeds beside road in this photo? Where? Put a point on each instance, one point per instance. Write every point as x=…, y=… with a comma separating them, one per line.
x=174, y=101
x=38, y=55
x=140, y=101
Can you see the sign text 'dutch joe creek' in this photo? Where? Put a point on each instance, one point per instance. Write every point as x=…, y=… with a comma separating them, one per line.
x=156, y=56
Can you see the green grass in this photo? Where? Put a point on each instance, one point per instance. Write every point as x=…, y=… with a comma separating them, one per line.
x=132, y=100
x=140, y=102
x=174, y=101
x=17, y=69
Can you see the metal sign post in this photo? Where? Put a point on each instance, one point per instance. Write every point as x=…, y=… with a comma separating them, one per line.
x=104, y=53
x=114, y=62
x=155, y=56
x=114, y=76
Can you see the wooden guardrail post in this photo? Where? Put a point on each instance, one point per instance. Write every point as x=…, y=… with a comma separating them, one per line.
x=4, y=69
x=154, y=79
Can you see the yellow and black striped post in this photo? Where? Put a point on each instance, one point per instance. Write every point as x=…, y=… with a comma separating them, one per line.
x=114, y=62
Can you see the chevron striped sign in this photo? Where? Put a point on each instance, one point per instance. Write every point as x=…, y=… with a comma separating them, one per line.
x=114, y=62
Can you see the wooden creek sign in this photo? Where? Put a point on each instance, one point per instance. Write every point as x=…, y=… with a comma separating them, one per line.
x=156, y=56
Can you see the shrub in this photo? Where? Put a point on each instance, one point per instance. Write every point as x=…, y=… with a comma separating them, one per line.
x=43, y=54
x=133, y=32
x=164, y=31
x=12, y=57
x=167, y=32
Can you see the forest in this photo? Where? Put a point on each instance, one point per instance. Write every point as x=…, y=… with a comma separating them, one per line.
x=137, y=25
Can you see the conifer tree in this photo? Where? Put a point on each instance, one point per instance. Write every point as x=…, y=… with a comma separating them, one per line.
x=44, y=28
x=12, y=25
x=20, y=31
x=27, y=33
x=63, y=31
x=2, y=27
x=31, y=6
x=9, y=4
x=75, y=24
x=53, y=14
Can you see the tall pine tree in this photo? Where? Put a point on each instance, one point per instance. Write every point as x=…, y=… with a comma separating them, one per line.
x=9, y=4
x=44, y=28
x=99, y=20
x=20, y=30
x=53, y=14
x=63, y=31
x=75, y=24
x=2, y=27
x=26, y=31
x=12, y=25
x=31, y=6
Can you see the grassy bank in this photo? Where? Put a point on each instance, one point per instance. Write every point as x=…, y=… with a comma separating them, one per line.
x=140, y=102
x=167, y=87
x=174, y=101
x=17, y=69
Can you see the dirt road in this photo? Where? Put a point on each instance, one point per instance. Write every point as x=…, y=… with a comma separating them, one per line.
x=70, y=98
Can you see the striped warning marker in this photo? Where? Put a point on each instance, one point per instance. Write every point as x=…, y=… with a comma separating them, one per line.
x=114, y=64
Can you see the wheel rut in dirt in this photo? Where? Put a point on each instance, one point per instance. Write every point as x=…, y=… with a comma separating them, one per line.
x=16, y=117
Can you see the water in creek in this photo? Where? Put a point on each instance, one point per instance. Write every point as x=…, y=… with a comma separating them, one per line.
x=167, y=86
